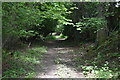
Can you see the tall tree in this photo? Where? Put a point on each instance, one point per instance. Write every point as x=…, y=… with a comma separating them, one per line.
x=102, y=32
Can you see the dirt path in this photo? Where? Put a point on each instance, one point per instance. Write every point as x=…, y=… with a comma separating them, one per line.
x=58, y=62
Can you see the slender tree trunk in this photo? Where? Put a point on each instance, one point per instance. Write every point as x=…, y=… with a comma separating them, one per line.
x=102, y=30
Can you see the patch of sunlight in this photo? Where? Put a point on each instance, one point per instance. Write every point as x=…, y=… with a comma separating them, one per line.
x=61, y=71
x=61, y=36
x=64, y=72
x=59, y=60
x=65, y=59
x=97, y=73
x=59, y=48
x=30, y=75
x=63, y=50
x=103, y=74
x=88, y=0
x=67, y=51
x=37, y=50
x=27, y=59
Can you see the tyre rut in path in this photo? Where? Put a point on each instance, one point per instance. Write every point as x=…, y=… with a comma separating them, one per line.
x=57, y=62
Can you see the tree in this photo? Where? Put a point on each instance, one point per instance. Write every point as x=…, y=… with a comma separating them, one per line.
x=31, y=20
x=102, y=32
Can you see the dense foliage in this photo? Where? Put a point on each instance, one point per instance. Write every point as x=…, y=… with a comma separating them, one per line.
x=29, y=21
x=36, y=22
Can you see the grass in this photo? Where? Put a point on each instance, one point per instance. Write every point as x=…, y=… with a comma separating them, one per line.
x=16, y=65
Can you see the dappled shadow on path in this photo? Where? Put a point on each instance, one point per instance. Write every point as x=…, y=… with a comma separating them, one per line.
x=58, y=62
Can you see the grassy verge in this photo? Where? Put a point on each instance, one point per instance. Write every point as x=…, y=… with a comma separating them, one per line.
x=20, y=64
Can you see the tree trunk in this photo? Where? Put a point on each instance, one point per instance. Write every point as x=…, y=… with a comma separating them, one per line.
x=102, y=30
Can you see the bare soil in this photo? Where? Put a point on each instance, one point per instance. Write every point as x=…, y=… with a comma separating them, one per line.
x=58, y=62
